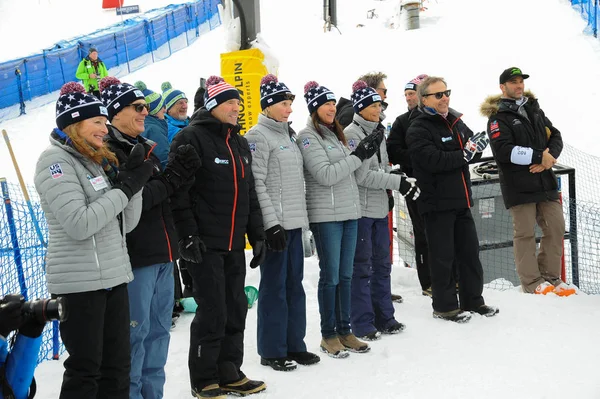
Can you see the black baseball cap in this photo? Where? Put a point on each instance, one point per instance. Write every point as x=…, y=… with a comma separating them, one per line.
x=510, y=73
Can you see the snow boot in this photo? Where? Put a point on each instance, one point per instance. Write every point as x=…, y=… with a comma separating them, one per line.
x=428, y=292
x=334, y=348
x=397, y=298
x=279, y=364
x=304, y=358
x=394, y=329
x=457, y=316
x=372, y=336
x=244, y=387
x=353, y=344
x=487, y=311
x=210, y=391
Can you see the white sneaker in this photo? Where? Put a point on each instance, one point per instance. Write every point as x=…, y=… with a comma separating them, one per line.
x=564, y=289
x=544, y=288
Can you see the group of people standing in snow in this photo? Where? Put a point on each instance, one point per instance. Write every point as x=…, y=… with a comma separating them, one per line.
x=130, y=184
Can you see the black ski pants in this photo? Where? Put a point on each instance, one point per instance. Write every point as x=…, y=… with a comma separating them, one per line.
x=96, y=335
x=452, y=238
x=421, y=247
x=217, y=331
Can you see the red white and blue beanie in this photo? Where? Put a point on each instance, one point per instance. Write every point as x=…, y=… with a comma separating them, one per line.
x=74, y=105
x=363, y=96
x=412, y=85
x=117, y=95
x=272, y=91
x=170, y=95
x=218, y=91
x=316, y=95
x=153, y=99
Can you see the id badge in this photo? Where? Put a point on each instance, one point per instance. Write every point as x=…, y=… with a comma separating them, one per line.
x=98, y=183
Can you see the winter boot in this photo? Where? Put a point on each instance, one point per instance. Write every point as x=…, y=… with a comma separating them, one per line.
x=457, y=316
x=304, y=358
x=334, y=348
x=210, y=391
x=244, y=387
x=487, y=311
x=372, y=336
x=353, y=344
x=397, y=298
x=428, y=292
x=279, y=364
x=394, y=329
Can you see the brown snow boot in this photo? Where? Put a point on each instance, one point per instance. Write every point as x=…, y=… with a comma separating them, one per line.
x=353, y=344
x=334, y=348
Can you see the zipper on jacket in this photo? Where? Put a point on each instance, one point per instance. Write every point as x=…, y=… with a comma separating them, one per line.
x=96, y=252
x=243, y=169
x=281, y=201
x=167, y=236
x=235, y=190
x=462, y=173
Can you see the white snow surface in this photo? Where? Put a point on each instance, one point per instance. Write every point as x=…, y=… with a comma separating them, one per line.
x=537, y=347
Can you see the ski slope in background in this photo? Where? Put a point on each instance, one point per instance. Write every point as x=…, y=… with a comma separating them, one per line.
x=537, y=347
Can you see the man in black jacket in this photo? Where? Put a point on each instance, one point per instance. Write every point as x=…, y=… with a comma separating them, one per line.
x=399, y=155
x=441, y=147
x=212, y=219
x=525, y=146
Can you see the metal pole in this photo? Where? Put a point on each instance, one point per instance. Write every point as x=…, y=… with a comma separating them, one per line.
x=573, y=229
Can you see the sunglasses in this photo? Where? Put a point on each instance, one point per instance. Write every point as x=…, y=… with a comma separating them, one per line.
x=140, y=107
x=289, y=96
x=384, y=91
x=439, y=94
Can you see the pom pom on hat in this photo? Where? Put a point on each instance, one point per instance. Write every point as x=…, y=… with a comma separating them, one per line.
x=363, y=96
x=316, y=95
x=108, y=81
x=140, y=85
x=218, y=91
x=272, y=91
x=171, y=95
x=74, y=105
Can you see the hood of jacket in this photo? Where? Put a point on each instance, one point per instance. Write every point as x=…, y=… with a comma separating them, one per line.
x=490, y=105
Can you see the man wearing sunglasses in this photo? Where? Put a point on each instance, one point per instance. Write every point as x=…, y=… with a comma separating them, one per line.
x=525, y=145
x=441, y=146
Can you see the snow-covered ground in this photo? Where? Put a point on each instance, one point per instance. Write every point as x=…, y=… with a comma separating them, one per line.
x=537, y=347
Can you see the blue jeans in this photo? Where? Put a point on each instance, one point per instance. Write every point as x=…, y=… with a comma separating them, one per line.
x=282, y=301
x=372, y=307
x=336, y=243
x=151, y=307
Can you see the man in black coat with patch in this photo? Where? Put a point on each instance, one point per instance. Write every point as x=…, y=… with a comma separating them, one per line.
x=399, y=155
x=441, y=147
x=525, y=145
x=212, y=219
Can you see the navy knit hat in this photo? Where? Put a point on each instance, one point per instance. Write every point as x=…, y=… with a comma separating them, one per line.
x=74, y=105
x=272, y=91
x=153, y=99
x=316, y=95
x=117, y=95
x=412, y=85
x=363, y=96
x=170, y=95
x=218, y=91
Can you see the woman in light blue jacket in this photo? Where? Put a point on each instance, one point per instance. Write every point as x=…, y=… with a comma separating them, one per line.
x=277, y=169
x=333, y=210
x=90, y=203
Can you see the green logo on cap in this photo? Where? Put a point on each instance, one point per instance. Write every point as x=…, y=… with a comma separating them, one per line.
x=516, y=71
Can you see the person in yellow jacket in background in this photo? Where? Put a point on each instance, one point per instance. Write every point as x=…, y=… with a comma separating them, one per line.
x=90, y=71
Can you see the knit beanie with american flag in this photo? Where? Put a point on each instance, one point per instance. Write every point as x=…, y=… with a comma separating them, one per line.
x=218, y=91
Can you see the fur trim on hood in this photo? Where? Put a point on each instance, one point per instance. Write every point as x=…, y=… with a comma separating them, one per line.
x=490, y=105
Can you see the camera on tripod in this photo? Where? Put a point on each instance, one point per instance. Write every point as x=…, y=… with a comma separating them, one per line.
x=42, y=310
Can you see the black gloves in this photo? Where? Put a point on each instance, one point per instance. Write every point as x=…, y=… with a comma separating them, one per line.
x=182, y=165
x=276, y=238
x=368, y=146
x=390, y=200
x=191, y=248
x=32, y=328
x=134, y=174
x=259, y=250
x=10, y=315
x=408, y=185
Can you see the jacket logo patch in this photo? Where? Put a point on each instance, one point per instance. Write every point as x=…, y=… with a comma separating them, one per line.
x=496, y=135
x=516, y=122
x=446, y=139
x=221, y=161
x=56, y=171
x=352, y=144
x=494, y=125
x=252, y=147
x=305, y=142
x=284, y=147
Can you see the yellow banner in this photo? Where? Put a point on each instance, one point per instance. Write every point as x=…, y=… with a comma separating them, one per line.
x=243, y=70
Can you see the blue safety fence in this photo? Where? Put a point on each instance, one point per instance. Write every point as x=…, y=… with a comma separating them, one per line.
x=590, y=11
x=26, y=83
